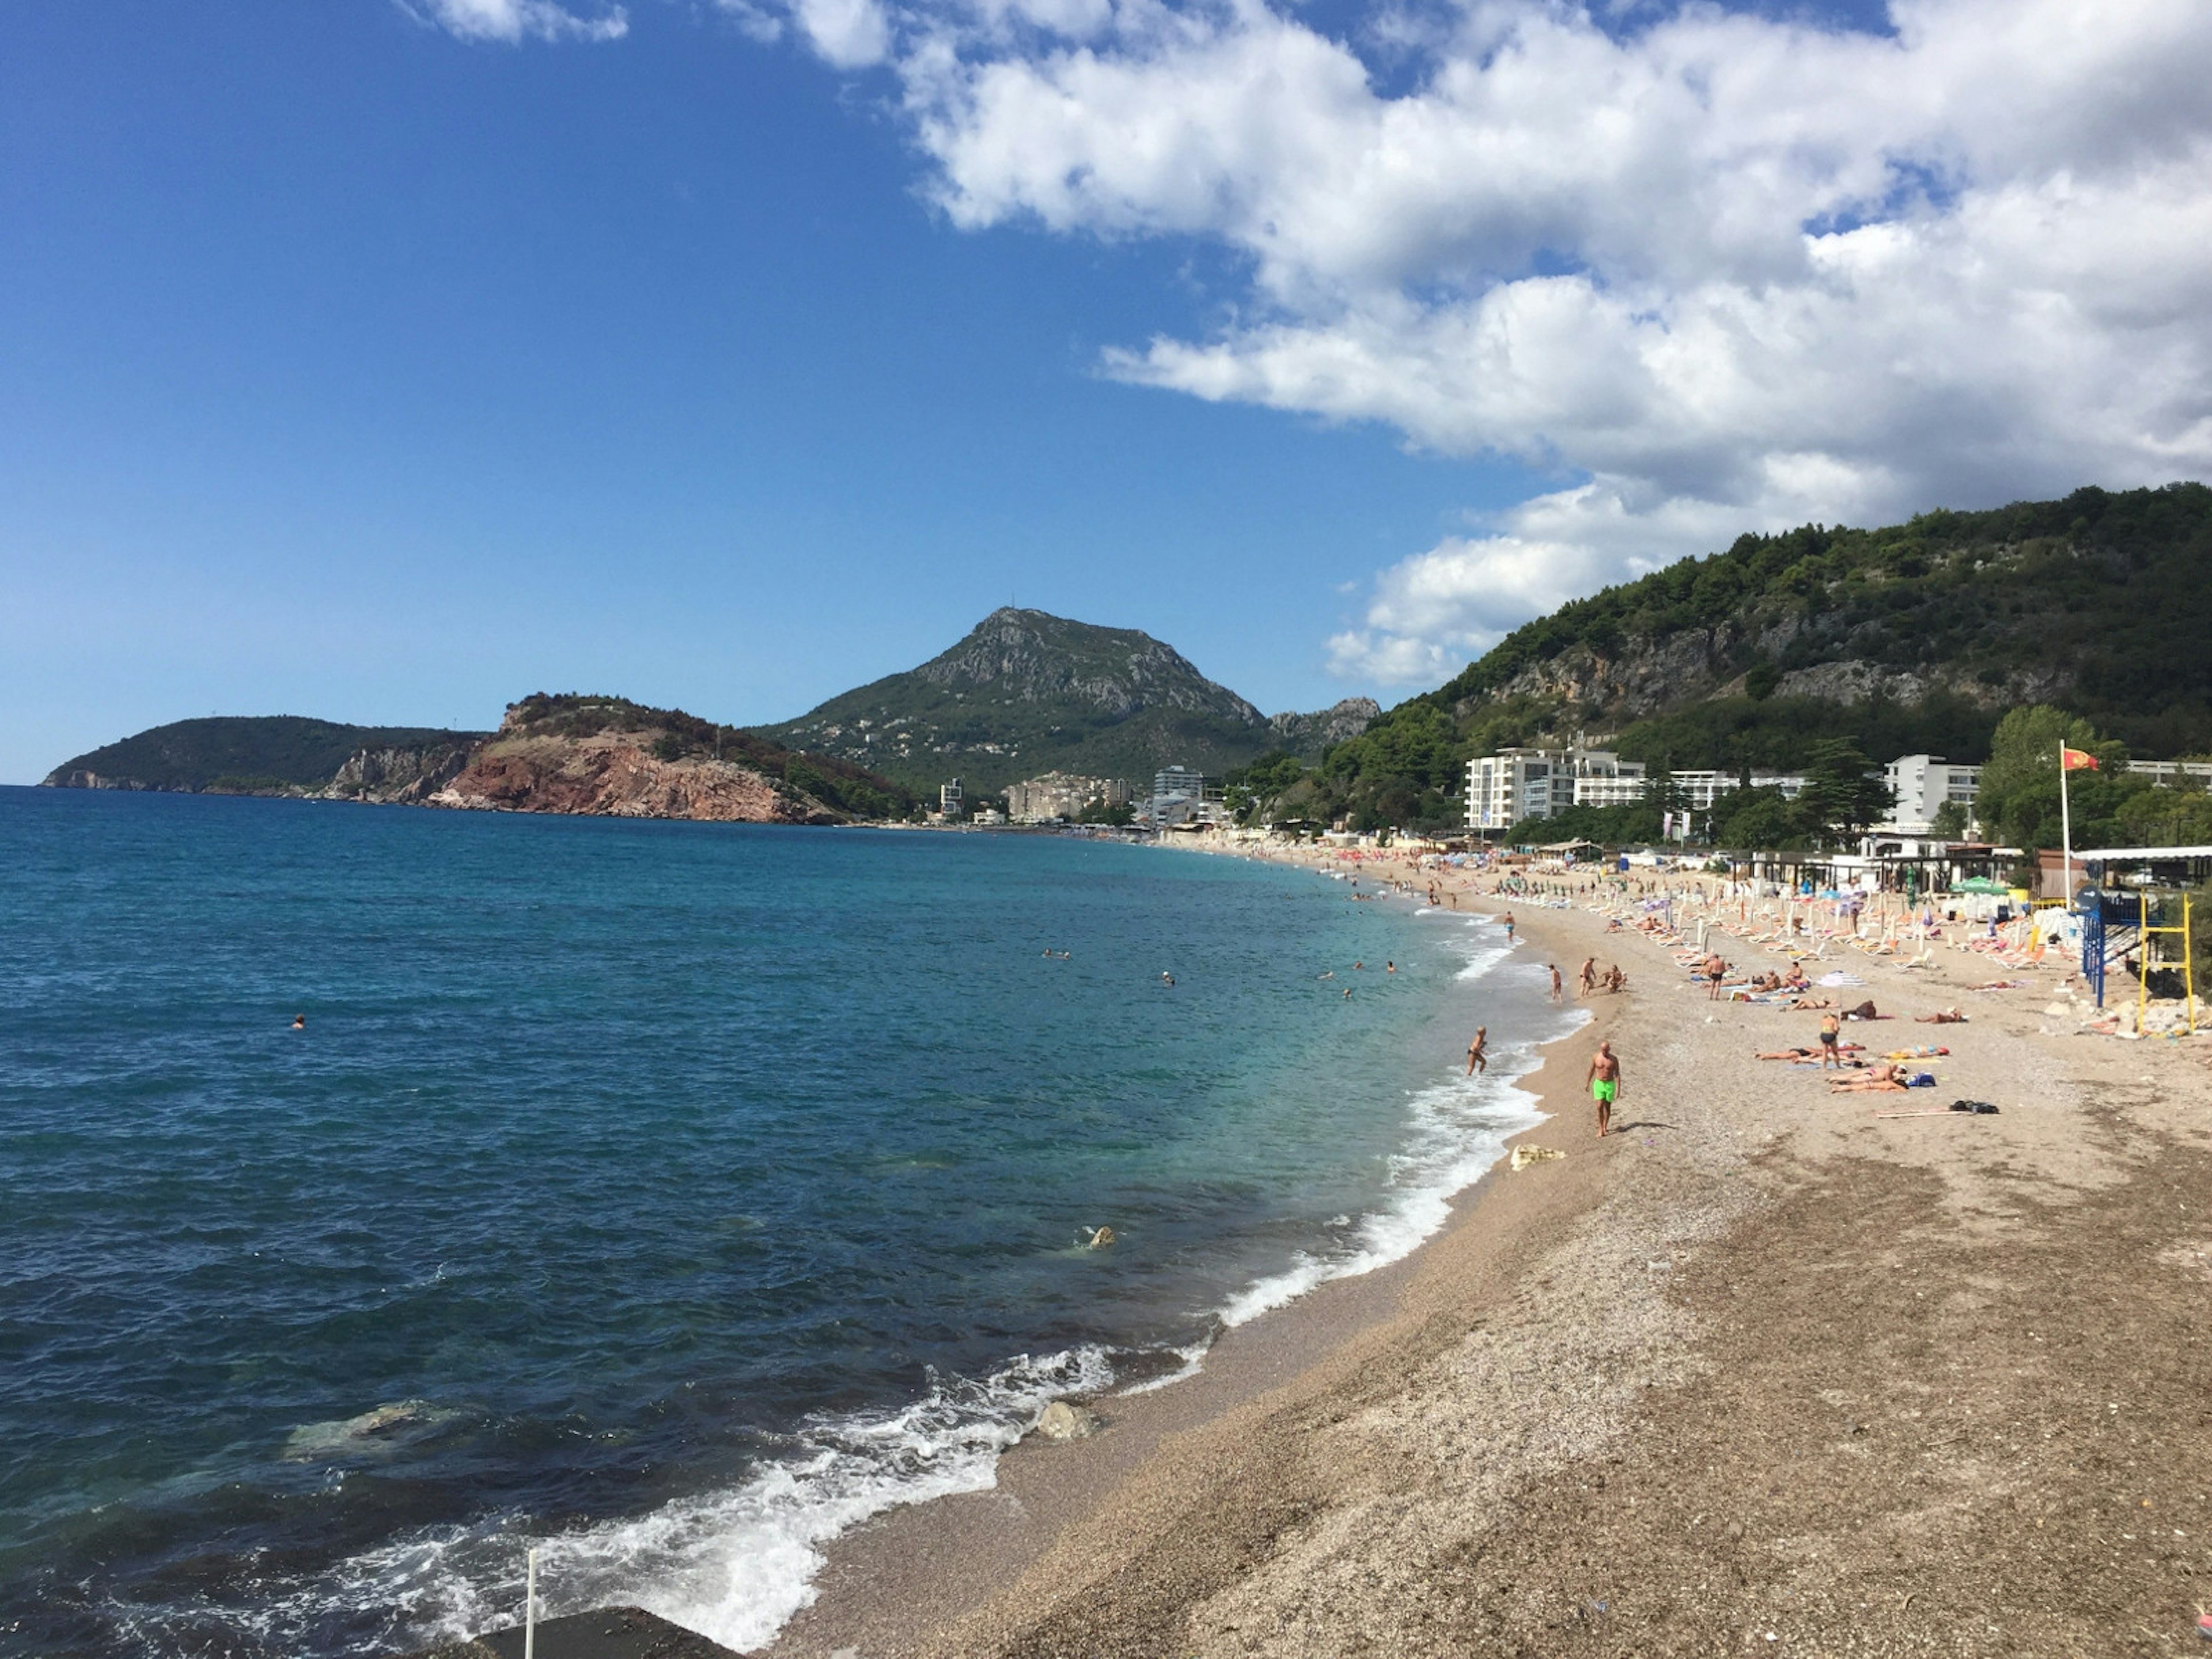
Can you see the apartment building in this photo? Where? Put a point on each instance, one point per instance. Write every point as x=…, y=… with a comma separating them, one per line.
x=1514, y=784
x=1061, y=795
x=1922, y=784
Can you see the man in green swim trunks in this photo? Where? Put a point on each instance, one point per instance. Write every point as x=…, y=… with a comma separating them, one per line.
x=1604, y=1083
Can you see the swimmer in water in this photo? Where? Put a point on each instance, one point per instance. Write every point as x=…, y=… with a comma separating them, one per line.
x=1166, y=978
x=1389, y=967
x=299, y=1022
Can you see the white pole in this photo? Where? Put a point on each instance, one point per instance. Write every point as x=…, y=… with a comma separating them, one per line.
x=2065, y=831
x=529, y=1610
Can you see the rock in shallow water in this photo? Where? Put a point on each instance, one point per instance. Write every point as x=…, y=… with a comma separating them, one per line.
x=1064, y=1421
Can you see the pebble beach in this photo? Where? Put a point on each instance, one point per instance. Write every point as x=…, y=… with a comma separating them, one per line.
x=1765, y=1370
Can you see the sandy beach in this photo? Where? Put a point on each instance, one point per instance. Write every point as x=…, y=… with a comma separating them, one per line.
x=1762, y=1372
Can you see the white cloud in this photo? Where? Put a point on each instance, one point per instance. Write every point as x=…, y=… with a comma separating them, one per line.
x=847, y=33
x=1734, y=272
x=512, y=21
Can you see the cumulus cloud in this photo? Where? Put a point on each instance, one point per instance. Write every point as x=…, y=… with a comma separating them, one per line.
x=512, y=21
x=1727, y=272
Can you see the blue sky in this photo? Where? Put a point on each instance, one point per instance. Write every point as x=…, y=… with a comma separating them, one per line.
x=351, y=369
x=359, y=362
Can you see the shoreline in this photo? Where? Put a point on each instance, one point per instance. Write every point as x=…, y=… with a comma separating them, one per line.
x=1767, y=1367
x=905, y=1582
x=888, y=1581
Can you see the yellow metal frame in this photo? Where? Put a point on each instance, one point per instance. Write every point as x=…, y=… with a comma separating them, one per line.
x=2143, y=963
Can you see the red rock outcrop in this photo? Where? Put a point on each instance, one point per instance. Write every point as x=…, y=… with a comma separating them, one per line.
x=616, y=774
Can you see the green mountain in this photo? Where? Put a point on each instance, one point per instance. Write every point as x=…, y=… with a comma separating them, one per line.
x=1914, y=637
x=273, y=754
x=1026, y=693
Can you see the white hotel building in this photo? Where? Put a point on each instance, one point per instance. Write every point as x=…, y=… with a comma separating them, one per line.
x=1922, y=784
x=1513, y=784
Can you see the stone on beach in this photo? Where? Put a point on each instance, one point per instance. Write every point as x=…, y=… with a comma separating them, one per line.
x=1063, y=1420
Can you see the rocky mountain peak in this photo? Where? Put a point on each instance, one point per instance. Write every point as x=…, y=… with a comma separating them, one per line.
x=1033, y=656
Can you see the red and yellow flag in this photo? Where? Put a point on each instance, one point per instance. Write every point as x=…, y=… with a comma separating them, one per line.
x=2076, y=760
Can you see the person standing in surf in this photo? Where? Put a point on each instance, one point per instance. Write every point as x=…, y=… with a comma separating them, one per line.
x=1604, y=1081
x=1478, y=1052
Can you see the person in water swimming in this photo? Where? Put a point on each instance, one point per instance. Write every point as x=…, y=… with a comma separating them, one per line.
x=299, y=1022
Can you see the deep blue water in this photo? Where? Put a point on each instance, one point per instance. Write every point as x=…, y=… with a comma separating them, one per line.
x=670, y=1194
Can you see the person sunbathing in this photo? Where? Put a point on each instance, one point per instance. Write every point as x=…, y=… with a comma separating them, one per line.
x=1807, y=1003
x=1942, y=1016
x=1885, y=1080
x=1809, y=1053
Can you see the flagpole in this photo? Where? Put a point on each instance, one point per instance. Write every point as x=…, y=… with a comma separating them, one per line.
x=2065, y=831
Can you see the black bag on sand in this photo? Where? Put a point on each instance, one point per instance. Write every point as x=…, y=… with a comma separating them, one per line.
x=1980, y=1107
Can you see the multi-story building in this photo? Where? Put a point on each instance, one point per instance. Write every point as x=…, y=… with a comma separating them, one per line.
x=1513, y=784
x=1178, y=780
x=1601, y=778
x=2167, y=774
x=1698, y=789
x=1061, y=795
x=1181, y=795
x=1923, y=784
x=948, y=800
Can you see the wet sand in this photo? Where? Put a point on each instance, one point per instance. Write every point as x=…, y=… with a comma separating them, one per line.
x=1763, y=1372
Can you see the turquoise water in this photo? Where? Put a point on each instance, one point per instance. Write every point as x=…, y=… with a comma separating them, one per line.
x=670, y=1195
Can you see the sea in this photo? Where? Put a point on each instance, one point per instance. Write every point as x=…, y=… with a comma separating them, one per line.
x=384, y=1192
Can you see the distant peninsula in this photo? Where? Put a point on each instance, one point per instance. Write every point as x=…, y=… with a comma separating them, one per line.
x=595, y=755
x=275, y=755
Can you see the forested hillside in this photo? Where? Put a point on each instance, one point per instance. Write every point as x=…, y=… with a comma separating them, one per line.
x=243, y=754
x=1917, y=636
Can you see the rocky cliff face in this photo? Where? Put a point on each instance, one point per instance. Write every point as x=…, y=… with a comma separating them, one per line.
x=399, y=775
x=82, y=778
x=617, y=774
x=1643, y=676
x=1335, y=724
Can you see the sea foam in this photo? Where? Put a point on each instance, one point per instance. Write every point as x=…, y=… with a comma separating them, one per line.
x=737, y=1563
